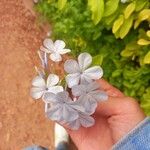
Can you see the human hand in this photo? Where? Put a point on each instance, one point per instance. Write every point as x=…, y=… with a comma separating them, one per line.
x=114, y=119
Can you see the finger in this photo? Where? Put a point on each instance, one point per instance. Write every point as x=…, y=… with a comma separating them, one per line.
x=110, y=107
x=109, y=89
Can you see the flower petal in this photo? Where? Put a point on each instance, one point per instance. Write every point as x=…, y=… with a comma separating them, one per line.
x=78, y=106
x=89, y=104
x=52, y=80
x=64, y=51
x=95, y=72
x=48, y=43
x=69, y=114
x=55, y=113
x=78, y=90
x=42, y=48
x=92, y=86
x=72, y=79
x=55, y=57
x=87, y=121
x=36, y=92
x=84, y=60
x=63, y=97
x=38, y=81
x=59, y=45
x=49, y=97
x=85, y=79
x=55, y=89
x=99, y=95
x=74, y=125
x=71, y=66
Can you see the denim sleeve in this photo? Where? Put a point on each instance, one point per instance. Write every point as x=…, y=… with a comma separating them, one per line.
x=137, y=139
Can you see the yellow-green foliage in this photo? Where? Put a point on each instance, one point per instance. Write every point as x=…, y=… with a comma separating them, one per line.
x=116, y=34
x=97, y=8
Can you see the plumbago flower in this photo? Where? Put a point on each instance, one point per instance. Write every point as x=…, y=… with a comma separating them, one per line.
x=79, y=73
x=89, y=95
x=83, y=120
x=63, y=107
x=55, y=49
x=76, y=100
x=40, y=86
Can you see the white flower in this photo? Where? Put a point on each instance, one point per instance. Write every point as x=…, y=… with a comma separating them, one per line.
x=79, y=71
x=55, y=49
x=62, y=109
x=124, y=1
x=89, y=94
x=83, y=120
x=40, y=86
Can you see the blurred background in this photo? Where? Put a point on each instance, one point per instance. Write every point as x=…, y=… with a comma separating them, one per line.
x=22, y=120
x=115, y=32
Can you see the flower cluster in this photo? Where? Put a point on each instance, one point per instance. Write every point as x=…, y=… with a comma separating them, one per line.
x=74, y=102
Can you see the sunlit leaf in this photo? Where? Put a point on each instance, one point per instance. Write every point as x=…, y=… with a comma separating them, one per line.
x=110, y=7
x=143, y=15
x=127, y=53
x=61, y=4
x=97, y=8
x=98, y=60
x=148, y=33
x=117, y=24
x=116, y=73
x=143, y=42
x=140, y=4
x=129, y=10
x=125, y=28
x=147, y=58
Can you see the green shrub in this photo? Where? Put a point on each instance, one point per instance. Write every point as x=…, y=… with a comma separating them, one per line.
x=116, y=34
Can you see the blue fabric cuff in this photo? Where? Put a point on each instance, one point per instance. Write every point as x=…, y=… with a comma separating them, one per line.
x=136, y=139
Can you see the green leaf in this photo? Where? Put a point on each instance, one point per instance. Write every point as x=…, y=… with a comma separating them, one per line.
x=132, y=46
x=125, y=28
x=110, y=7
x=140, y=4
x=143, y=42
x=127, y=84
x=61, y=4
x=117, y=34
x=130, y=49
x=117, y=24
x=148, y=33
x=143, y=15
x=127, y=53
x=97, y=60
x=116, y=73
x=129, y=10
x=147, y=58
x=108, y=20
x=97, y=8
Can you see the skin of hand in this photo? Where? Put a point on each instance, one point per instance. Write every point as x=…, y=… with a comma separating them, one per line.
x=114, y=118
